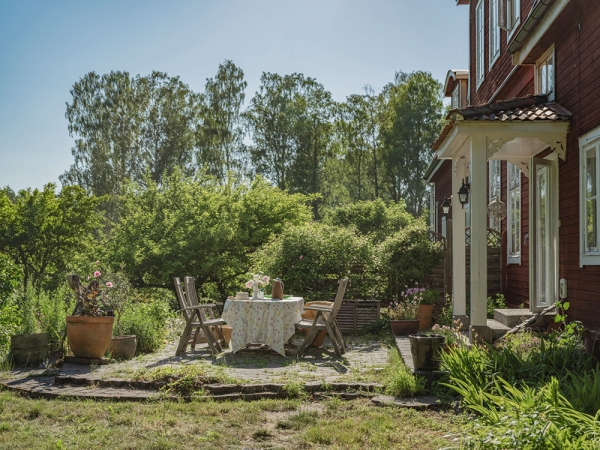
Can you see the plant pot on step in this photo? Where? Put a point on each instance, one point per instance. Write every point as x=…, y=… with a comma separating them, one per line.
x=424, y=314
x=426, y=350
x=89, y=336
x=404, y=327
x=123, y=347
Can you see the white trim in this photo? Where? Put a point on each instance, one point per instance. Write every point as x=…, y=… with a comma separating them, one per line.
x=513, y=259
x=587, y=142
x=517, y=20
x=479, y=43
x=543, y=60
x=494, y=29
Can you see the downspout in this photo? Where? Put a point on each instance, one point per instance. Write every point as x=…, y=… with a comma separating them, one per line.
x=537, y=12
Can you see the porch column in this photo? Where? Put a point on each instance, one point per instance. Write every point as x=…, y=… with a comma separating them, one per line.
x=459, y=274
x=478, y=198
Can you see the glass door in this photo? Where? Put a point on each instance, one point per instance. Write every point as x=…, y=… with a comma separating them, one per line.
x=544, y=235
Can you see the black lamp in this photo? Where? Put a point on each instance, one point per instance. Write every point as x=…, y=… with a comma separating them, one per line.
x=463, y=193
x=446, y=205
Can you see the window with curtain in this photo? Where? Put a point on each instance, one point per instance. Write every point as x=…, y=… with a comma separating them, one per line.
x=494, y=32
x=544, y=75
x=513, y=214
x=589, y=145
x=494, y=187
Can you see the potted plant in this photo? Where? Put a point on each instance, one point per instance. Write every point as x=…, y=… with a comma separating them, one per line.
x=119, y=294
x=425, y=350
x=427, y=301
x=89, y=329
x=402, y=316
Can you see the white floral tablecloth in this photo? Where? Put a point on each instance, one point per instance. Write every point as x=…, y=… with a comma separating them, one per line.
x=268, y=321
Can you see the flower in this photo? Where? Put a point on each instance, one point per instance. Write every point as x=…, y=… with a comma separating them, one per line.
x=266, y=279
x=258, y=279
x=109, y=284
x=249, y=284
x=97, y=274
x=97, y=263
x=301, y=257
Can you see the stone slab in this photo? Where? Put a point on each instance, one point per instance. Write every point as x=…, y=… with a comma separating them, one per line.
x=414, y=403
x=86, y=361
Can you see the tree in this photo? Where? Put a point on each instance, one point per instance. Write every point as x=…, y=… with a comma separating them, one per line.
x=41, y=231
x=415, y=120
x=220, y=137
x=125, y=126
x=290, y=121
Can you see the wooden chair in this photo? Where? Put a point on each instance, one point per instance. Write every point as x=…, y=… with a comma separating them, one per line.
x=325, y=321
x=199, y=319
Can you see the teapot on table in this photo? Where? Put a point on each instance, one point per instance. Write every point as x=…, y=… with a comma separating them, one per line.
x=277, y=291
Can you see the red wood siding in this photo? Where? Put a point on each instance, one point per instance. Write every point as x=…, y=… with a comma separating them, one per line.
x=443, y=188
x=577, y=89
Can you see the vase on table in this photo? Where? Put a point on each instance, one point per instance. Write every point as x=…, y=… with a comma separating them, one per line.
x=255, y=291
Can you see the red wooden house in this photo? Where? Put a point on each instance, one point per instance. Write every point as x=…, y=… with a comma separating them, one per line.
x=525, y=131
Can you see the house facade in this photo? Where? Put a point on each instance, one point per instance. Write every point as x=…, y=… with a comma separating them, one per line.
x=524, y=138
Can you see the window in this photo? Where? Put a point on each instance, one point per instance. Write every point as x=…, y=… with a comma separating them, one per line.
x=479, y=43
x=432, y=208
x=444, y=226
x=513, y=14
x=455, y=101
x=514, y=214
x=494, y=32
x=544, y=75
x=494, y=188
x=589, y=147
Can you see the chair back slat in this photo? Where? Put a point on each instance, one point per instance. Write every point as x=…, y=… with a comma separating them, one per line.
x=338, y=298
x=181, y=297
x=192, y=295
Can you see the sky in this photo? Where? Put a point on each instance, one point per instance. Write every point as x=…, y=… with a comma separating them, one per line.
x=47, y=46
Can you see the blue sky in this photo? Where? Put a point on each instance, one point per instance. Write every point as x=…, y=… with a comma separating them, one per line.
x=46, y=46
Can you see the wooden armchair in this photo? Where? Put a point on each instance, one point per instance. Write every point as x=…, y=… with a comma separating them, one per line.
x=199, y=319
x=325, y=321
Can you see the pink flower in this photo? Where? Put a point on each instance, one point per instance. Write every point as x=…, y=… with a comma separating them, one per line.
x=266, y=279
x=97, y=274
x=98, y=263
x=249, y=284
x=301, y=257
x=109, y=284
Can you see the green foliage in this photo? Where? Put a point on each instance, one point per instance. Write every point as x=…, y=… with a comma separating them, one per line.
x=373, y=218
x=10, y=277
x=527, y=418
x=406, y=258
x=10, y=323
x=495, y=303
x=429, y=297
x=148, y=319
x=446, y=317
x=119, y=295
x=311, y=258
x=399, y=381
x=41, y=230
x=197, y=227
x=28, y=301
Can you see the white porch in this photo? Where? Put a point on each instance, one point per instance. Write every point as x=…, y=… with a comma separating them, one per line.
x=517, y=135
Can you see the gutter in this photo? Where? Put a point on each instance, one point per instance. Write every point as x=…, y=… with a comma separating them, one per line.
x=536, y=13
x=432, y=168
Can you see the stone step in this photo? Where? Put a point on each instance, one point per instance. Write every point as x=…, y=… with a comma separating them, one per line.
x=498, y=329
x=511, y=317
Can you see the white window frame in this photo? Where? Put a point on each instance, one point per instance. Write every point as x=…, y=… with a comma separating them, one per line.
x=588, y=142
x=479, y=43
x=514, y=23
x=432, y=208
x=513, y=258
x=543, y=61
x=495, y=180
x=494, y=33
x=455, y=99
x=444, y=226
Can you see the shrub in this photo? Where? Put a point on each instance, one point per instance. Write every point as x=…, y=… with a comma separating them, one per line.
x=148, y=319
x=311, y=258
x=10, y=323
x=372, y=218
x=406, y=258
x=10, y=277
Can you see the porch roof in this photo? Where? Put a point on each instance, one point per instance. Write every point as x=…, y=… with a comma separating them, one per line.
x=530, y=108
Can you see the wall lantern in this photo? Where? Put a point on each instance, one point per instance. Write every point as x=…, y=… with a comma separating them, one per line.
x=446, y=205
x=463, y=193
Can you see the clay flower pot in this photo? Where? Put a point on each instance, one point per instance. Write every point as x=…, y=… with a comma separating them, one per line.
x=404, y=327
x=89, y=337
x=123, y=347
x=424, y=314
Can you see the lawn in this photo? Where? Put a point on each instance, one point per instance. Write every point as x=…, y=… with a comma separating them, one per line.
x=277, y=424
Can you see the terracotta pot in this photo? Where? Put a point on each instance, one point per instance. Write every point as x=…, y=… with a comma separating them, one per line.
x=123, y=347
x=404, y=327
x=424, y=314
x=89, y=337
x=426, y=351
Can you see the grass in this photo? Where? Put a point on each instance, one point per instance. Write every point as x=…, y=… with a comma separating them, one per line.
x=282, y=424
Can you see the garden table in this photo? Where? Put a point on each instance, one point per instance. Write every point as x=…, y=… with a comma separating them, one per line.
x=267, y=321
